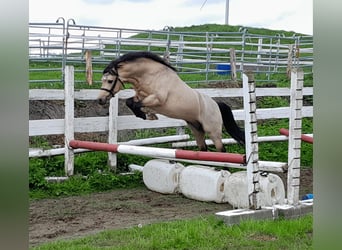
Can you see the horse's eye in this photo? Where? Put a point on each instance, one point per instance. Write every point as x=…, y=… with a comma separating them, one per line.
x=110, y=81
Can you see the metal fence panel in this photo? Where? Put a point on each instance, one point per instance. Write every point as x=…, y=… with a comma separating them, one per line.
x=53, y=45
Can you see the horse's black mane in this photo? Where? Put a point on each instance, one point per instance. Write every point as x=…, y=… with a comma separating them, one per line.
x=131, y=56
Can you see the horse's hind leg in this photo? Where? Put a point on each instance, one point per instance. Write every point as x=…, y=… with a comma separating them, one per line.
x=218, y=143
x=199, y=134
x=215, y=133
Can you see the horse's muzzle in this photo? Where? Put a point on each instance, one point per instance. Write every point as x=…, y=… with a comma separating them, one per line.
x=102, y=101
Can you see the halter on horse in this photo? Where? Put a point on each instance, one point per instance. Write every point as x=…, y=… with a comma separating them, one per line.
x=159, y=90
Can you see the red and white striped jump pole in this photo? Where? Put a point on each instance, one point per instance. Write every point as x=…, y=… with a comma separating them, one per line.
x=160, y=152
x=305, y=138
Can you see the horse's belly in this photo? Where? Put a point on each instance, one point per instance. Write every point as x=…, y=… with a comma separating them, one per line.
x=184, y=113
x=187, y=104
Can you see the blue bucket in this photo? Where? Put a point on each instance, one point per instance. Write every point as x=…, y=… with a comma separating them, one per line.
x=307, y=197
x=223, y=69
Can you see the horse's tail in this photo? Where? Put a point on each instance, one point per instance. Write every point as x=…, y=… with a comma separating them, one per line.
x=230, y=124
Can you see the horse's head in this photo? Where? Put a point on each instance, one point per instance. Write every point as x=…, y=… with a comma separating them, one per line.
x=111, y=84
x=130, y=67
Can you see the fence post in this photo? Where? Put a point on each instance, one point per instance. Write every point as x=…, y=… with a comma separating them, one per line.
x=179, y=57
x=113, y=130
x=209, y=47
x=243, y=44
x=89, y=67
x=295, y=134
x=252, y=150
x=166, y=56
x=289, y=61
x=232, y=57
x=259, y=52
x=69, y=120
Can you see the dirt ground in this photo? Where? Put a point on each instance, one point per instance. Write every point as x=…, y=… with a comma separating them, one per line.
x=72, y=217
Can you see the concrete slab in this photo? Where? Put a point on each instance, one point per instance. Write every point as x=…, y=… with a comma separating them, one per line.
x=294, y=212
x=235, y=216
x=231, y=217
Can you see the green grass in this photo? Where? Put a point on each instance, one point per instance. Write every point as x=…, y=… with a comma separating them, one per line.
x=91, y=175
x=199, y=233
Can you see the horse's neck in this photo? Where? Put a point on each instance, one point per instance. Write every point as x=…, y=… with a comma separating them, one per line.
x=145, y=74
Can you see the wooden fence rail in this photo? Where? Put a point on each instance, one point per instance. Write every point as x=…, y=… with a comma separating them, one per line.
x=101, y=124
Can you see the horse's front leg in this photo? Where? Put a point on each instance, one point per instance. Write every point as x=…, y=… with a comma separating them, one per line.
x=150, y=114
x=136, y=106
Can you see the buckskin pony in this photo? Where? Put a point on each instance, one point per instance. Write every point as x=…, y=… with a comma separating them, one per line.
x=159, y=90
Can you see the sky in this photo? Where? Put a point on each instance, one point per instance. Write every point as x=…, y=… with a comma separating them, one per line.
x=288, y=15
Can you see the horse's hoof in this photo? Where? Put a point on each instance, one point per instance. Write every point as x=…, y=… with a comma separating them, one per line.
x=140, y=114
x=151, y=117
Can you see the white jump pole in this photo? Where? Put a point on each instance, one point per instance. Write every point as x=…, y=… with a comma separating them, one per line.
x=160, y=152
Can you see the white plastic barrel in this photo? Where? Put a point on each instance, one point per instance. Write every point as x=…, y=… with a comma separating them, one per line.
x=203, y=183
x=162, y=176
x=236, y=190
x=272, y=190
